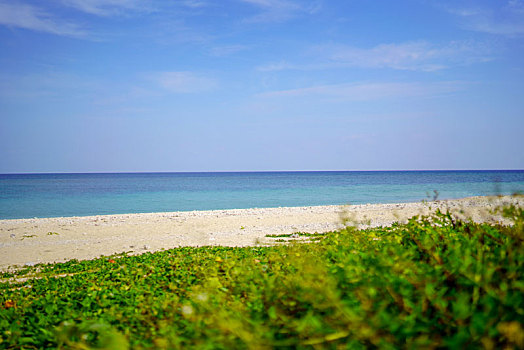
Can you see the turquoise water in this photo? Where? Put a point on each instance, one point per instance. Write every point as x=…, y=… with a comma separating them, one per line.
x=51, y=195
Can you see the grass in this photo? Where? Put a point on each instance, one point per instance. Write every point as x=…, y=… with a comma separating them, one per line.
x=431, y=283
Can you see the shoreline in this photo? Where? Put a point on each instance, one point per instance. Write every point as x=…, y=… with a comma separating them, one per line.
x=59, y=239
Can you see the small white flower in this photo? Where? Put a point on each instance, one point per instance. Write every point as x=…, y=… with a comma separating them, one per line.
x=187, y=310
x=202, y=297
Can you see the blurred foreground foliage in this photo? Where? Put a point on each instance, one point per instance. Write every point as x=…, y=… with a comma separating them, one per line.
x=431, y=283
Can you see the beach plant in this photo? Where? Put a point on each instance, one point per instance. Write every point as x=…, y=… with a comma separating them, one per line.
x=434, y=282
x=297, y=234
x=27, y=236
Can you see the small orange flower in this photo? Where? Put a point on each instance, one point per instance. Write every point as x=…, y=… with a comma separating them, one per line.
x=111, y=261
x=9, y=304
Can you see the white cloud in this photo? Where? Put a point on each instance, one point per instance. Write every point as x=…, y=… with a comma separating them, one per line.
x=273, y=4
x=506, y=20
x=280, y=10
x=417, y=56
x=176, y=31
x=226, y=50
x=365, y=91
x=49, y=85
x=282, y=65
x=24, y=16
x=108, y=7
x=183, y=82
x=194, y=3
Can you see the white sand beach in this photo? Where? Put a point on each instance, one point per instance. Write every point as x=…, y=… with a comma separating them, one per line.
x=45, y=240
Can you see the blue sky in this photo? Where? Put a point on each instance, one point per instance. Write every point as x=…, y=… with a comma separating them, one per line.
x=246, y=85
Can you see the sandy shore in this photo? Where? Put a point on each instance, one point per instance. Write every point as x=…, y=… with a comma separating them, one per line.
x=43, y=240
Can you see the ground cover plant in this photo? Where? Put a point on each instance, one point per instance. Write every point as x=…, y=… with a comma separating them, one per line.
x=431, y=283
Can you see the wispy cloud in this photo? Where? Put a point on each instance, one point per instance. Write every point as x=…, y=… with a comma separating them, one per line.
x=417, y=56
x=109, y=7
x=17, y=15
x=226, y=50
x=194, y=3
x=365, y=91
x=507, y=20
x=183, y=82
x=283, y=65
x=49, y=85
x=280, y=10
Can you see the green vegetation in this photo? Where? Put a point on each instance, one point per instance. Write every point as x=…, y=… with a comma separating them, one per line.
x=431, y=283
x=27, y=236
x=297, y=234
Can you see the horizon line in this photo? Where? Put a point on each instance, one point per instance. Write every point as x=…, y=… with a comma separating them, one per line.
x=246, y=171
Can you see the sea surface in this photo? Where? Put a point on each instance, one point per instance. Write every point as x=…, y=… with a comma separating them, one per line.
x=53, y=195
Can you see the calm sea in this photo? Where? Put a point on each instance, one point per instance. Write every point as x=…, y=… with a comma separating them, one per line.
x=51, y=195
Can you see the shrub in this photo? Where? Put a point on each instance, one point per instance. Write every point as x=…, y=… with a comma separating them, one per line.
x=431, y=283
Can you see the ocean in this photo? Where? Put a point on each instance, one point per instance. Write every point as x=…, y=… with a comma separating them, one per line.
x=54, y=195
